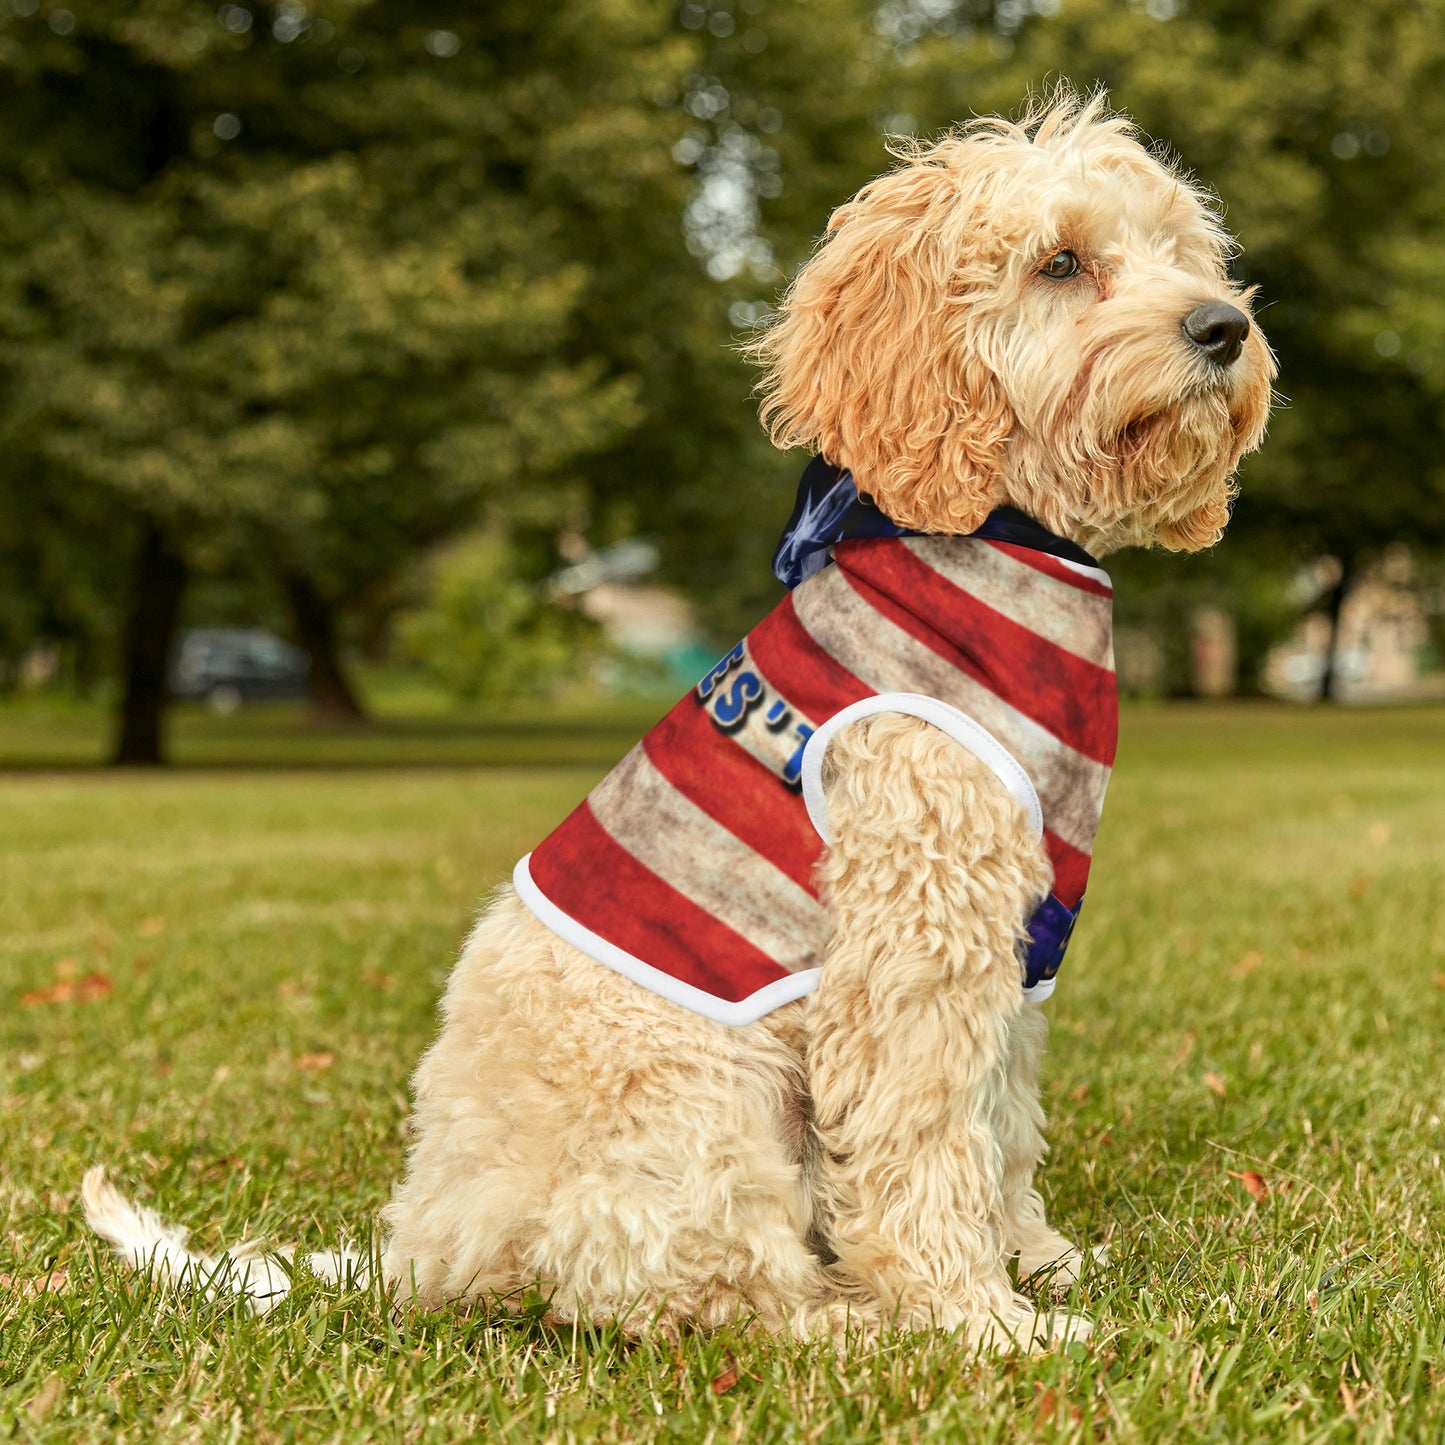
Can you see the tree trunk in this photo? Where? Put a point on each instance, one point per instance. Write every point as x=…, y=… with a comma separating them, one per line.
x=1329, y=678
x=333, y=699
x=150, y=631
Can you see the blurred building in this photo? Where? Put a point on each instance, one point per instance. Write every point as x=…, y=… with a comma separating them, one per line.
x=653, y=631
x=1382, y=651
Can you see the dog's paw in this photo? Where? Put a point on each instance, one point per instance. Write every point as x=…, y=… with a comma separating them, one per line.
x=1058, y=1269
x=1023, y=1326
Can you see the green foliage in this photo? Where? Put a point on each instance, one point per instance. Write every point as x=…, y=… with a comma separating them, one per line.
x=1266, y=910
x=315, y=287
x=485, y=632
x=316, y=299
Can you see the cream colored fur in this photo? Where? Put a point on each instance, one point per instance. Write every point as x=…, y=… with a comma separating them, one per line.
x=645, y=1163
x=864, y=1157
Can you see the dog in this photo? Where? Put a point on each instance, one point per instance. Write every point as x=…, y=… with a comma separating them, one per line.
x=755, y=1034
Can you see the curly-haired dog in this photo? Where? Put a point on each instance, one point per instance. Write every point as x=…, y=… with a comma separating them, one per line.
x=697, y=1065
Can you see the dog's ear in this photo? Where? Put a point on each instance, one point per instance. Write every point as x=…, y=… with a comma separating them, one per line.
x=874, y=358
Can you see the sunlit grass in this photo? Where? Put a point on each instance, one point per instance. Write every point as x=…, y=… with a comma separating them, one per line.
x=252, y=958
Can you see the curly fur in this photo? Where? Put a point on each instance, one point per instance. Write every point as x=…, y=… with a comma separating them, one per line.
x=866, y=1156
x=646, y=1164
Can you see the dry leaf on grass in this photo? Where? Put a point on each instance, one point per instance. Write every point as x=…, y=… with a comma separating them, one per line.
x=67, y=990
x=1046, y=1408
x=1181, y=1054
x=56, y=1282
x=1254, y=1183
x=1214, y=1083
x=320, y=1059
x=727, y=1379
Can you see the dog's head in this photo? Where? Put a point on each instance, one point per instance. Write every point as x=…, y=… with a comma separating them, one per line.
x=1036, y=314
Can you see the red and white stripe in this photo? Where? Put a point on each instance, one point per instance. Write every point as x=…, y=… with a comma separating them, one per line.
x=689, y=868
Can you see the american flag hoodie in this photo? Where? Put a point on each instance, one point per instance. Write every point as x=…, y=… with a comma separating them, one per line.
x=689, y=867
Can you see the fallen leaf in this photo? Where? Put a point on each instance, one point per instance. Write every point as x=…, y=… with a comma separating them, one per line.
x=81, y=990
x=724, y=1382
x=56, y=993
x=1047, y=1408
x=1254, y=1182
x=151, y=927
x=1248, y=963
x=56, y=1282
x=1181, y=1054
x=1214, y=1083
x=320, y=1059
x=1103, y=1140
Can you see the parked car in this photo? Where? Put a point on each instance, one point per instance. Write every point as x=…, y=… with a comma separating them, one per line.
x=230, y=665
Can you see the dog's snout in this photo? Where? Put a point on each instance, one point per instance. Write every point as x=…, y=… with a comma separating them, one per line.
x=1218, y=331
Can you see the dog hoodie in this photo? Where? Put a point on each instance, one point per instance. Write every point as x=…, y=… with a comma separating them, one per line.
x=689, y=867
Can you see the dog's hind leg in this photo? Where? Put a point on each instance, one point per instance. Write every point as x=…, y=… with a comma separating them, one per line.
x=930, y=878
x=577, y=1135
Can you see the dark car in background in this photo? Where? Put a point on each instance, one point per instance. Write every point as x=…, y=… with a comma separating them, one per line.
x=227, y=666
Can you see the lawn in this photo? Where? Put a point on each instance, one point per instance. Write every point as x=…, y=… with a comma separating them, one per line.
x=217, y=979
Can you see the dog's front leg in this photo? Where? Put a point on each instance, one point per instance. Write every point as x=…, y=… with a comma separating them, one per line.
x=1042, y=1251
x=931, y=875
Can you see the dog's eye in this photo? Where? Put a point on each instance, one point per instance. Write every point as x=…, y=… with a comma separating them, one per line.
x=1060, y=266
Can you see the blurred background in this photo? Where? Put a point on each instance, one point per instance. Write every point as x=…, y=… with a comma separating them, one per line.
x=366, y=360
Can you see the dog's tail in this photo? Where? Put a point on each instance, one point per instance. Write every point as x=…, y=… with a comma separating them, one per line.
x=147, y=1243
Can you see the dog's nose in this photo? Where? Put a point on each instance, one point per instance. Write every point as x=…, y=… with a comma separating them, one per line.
x=1218, y=331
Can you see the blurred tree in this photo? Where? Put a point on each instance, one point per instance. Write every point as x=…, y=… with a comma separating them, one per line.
x=781, y=113
x=296, y=283
x=486, y=632
x=320, y=284
x=316, y=283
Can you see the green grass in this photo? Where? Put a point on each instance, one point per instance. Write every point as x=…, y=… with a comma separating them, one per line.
x=1256, y=986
